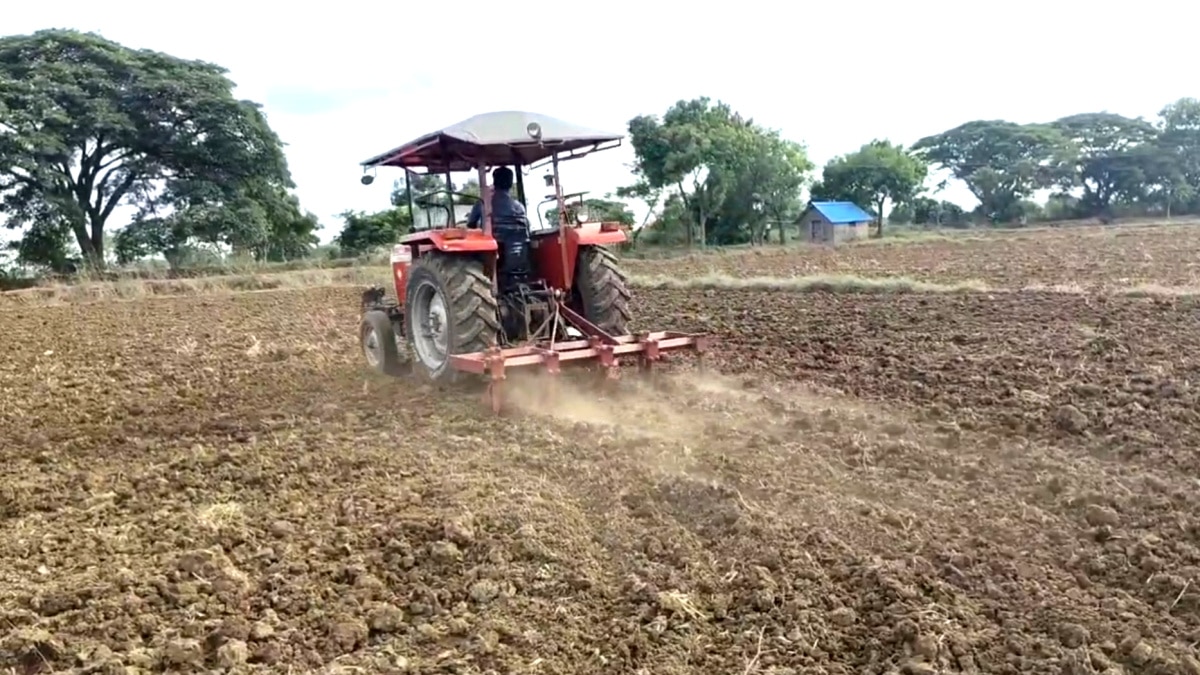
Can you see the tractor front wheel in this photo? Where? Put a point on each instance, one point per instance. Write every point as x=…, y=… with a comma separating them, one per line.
x=450, y=309
x=379, y=343
x=602, y=290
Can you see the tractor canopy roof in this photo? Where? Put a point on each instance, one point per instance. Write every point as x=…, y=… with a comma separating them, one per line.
x=492, y=139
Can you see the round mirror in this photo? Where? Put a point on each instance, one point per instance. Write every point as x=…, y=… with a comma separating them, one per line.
x=367, y=179
x=534, y=130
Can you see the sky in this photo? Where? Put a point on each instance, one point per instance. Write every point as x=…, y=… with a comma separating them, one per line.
x=340, y=83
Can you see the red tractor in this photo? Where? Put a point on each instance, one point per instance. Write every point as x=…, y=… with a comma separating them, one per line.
x=493, y=293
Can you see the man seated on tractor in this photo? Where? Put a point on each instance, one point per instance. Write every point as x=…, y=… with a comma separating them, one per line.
x=510, y=227
x=506, y=210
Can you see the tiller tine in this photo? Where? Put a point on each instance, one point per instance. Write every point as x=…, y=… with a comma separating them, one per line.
x=548, y=388
x=494, y=369
x=604, y=350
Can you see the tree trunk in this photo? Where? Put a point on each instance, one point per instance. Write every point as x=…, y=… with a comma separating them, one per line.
x=687, y=206
x=879, y=217
x=93, y=256
x=98, y=244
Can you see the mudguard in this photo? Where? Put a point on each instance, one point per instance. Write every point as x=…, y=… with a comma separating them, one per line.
x=451, y=240
x=592, y=234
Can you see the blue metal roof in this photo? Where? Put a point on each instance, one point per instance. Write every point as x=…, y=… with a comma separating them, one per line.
x=842, y=213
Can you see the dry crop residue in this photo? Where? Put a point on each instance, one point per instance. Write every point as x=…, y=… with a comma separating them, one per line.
x=216, y=484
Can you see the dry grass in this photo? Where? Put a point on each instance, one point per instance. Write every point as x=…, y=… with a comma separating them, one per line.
x=221, y=515
x=1158, y=290
x=912, y=236
x=1143, y=290
x=132, y=289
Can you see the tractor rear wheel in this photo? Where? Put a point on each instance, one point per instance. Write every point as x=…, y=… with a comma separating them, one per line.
x=602, y=290
x=450, y=309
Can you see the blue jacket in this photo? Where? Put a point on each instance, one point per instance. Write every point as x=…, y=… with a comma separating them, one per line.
x=507, y=212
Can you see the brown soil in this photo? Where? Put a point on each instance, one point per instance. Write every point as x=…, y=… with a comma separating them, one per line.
x=866, y=484
x=1085, y=258
x=1112, y=376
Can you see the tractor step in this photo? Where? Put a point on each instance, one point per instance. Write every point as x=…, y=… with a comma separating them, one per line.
x=647, y=348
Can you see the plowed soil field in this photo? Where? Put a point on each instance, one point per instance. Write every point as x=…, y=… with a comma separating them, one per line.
x=921, y=483
x=1074, y=258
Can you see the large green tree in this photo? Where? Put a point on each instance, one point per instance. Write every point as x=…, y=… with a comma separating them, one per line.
x=1173, y=167
x=926, y=211
x=1104, y=156
x=88, y=125
x=1001, y=163
x=681, y=151
x=607, y=209
x=726, y=171
x=291, y=233
x=262, y=221
x=765, y=174
x=875, y=174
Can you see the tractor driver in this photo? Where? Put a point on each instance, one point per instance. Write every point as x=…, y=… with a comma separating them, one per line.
x=507, y=212
x=510, y=227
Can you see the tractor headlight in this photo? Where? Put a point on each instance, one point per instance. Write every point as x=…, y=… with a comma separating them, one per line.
x=581, y=217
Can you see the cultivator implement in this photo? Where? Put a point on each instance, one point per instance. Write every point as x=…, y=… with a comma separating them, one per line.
x=595, y=348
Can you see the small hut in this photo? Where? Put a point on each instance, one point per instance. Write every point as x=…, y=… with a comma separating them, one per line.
x=834, y=222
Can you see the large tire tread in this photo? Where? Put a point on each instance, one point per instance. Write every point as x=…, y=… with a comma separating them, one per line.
x=471, y=305
x=378, y=320
x=603, y=290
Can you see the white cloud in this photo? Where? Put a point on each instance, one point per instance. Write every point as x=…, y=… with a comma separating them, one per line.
x=833, y=75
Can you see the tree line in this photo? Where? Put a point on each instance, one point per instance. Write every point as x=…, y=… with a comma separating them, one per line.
x=1096, y=164
x=714, y=177
x=88, y=126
